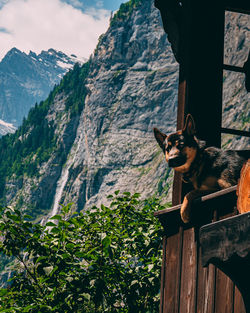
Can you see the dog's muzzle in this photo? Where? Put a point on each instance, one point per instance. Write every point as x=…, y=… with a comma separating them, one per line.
x=176, y=161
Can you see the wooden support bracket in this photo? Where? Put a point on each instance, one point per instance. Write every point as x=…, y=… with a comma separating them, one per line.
x=226, y=244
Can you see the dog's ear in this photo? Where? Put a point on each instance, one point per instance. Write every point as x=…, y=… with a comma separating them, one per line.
x=160, y=137
x=189, y=127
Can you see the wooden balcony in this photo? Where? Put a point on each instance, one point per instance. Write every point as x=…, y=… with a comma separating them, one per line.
x=197, y=274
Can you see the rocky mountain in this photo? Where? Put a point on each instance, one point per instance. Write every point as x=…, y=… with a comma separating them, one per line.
x=93, y=135
x=28, y=78
x=131, y=86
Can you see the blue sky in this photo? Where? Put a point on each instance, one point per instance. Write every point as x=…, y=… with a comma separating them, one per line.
x=111, y=5
x=72, y=26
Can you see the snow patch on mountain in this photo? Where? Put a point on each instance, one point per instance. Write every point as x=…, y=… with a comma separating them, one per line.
x=6, y=128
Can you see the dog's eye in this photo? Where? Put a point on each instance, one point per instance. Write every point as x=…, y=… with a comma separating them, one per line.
x=167, y=148
x=181, y=143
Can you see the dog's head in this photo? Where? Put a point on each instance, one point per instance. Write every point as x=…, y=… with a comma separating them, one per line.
x=180, y=148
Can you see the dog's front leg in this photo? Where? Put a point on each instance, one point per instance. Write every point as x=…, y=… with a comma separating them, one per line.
x=187, y=202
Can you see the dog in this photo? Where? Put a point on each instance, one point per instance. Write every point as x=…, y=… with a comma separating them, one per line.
x=208, y=169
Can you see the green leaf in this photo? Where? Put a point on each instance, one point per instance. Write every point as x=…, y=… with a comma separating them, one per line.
x=70, y=246
x=3, y=292
x=50, y=224
x=103, y=235
x=80, y=254
x=27, y=217
x=41, y=258
x=66, y=209
x=86, y=296
x=106, y=241
x=127, y=193
x=137, y=195
x=134, y=282
x=56, y=217
x=55, y=230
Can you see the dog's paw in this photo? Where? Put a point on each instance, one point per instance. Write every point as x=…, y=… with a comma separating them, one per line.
x=185, y=210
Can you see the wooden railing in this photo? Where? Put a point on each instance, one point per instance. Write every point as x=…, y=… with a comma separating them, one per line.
x=186, y=285
x=205, y=209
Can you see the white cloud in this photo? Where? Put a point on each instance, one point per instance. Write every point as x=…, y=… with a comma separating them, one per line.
x=42, y=24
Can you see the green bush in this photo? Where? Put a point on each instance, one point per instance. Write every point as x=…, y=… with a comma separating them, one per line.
x=106, y=259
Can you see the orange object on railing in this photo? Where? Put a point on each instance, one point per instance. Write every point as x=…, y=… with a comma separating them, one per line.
x=243, y=189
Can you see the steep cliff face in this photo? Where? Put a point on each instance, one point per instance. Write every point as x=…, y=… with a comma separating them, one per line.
x=132, y=86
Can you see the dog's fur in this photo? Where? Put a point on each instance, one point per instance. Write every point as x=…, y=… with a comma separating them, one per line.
x=208, y=169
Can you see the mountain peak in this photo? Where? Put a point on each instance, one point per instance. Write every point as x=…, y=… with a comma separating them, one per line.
x=32, y=76
x=12, y=52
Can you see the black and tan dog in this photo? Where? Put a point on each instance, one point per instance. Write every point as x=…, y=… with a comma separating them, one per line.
x=208, y=169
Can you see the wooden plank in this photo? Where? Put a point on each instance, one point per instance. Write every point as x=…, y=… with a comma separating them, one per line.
x=224, y=295
x=171, y=292
x=205, y=287
x=205, y=81
x=206, y=283
x=182, y=91
x=236, y=132
x=163, y=271
x=224, y=287
x=241, y=6
x=170, y=289
x=233, y=68
x=188, y=273
x=239, y=306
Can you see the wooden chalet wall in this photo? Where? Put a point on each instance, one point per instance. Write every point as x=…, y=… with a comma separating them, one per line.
x=196, y=32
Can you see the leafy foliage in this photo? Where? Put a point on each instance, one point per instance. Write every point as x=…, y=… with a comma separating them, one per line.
x=104, y=260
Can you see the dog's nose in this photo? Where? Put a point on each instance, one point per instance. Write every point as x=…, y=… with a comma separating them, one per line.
x=173, y=161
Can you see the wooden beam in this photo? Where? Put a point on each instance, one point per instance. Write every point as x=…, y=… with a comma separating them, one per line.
x=226, y=244
x=236, y=132
x=211, y=196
